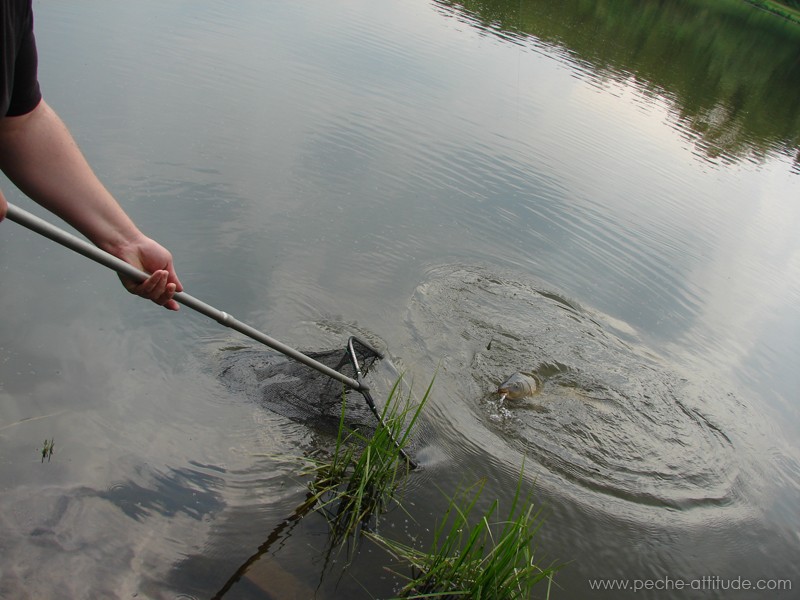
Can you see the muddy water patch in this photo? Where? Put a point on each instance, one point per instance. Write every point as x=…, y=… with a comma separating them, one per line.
x=612, y=423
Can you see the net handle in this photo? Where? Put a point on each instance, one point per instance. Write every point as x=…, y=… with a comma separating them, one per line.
x=58, y=235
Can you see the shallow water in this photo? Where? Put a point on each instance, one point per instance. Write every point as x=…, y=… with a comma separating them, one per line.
x=476, y=188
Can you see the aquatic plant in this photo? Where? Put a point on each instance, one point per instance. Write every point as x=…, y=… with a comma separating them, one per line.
x=788, y=9
x=47, y=449
x=490, y=560
x=358, y=479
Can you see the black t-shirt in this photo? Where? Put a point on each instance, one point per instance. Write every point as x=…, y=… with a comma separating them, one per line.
x=19, y=85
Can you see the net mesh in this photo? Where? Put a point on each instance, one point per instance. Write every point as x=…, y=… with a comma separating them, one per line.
x=299, y=392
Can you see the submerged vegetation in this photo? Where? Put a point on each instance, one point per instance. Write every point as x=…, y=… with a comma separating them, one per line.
x=789, y=9
x=47, y=449
x=477, y=557
x=492, y=559
x=355, y=482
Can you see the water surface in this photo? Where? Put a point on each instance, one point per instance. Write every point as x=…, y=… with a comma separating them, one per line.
x=603, y=194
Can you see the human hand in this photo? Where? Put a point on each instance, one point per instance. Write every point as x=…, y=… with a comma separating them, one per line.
x=41, y=157
x=3, y=206
x=150, y=257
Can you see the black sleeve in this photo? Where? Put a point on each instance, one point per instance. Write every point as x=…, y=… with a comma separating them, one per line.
x=19, y=84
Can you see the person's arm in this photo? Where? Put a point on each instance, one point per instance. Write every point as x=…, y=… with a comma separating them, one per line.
x=39, y=155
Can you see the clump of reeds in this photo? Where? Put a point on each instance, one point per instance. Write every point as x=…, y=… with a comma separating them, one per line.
x=490, y=560
x=357, y=481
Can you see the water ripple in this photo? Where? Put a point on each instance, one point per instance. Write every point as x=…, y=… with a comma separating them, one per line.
x=610, y=419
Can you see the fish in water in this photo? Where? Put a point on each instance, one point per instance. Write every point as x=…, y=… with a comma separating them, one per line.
x=518, y=386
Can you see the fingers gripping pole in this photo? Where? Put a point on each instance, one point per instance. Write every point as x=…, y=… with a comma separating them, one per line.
x=83, y=247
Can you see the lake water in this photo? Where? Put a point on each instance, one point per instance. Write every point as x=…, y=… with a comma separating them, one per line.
x=604, y=194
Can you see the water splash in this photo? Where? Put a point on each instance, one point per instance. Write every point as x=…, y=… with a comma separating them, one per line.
x=612, y=419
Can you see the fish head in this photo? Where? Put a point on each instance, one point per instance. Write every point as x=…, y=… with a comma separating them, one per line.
x=517, y=386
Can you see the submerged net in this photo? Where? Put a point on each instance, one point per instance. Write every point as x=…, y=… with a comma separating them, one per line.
x=301, y=393
x=304, y=394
